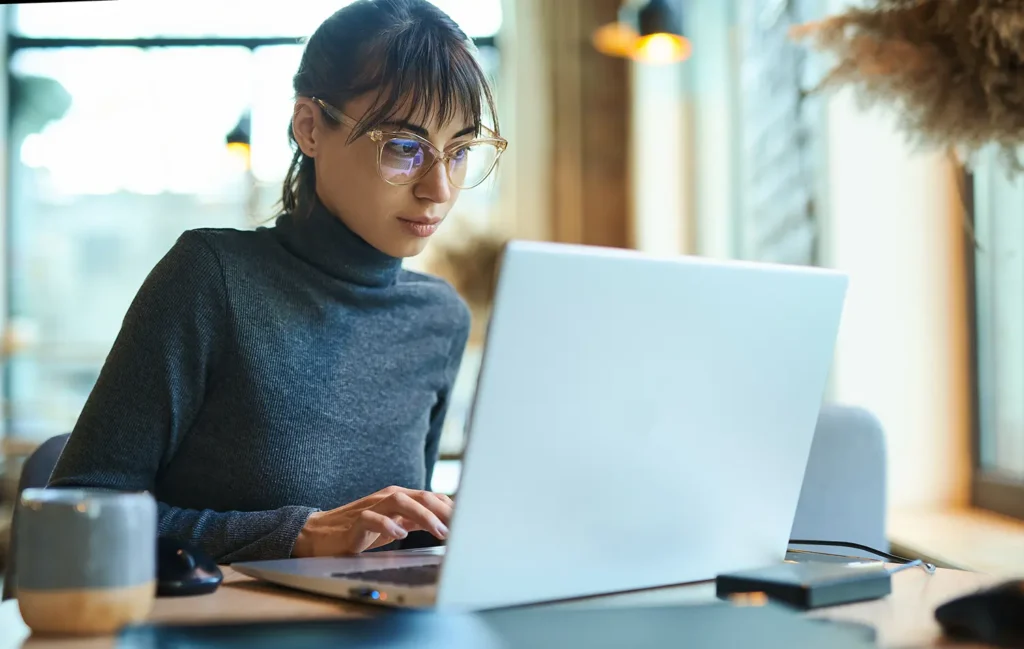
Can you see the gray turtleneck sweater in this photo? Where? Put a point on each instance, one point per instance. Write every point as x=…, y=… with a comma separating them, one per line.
x=260, y=376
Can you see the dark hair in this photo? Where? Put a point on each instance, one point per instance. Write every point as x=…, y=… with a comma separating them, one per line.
x=409, y=51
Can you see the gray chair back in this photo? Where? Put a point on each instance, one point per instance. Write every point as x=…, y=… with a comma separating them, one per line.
x=844, y=492
x=35, y=473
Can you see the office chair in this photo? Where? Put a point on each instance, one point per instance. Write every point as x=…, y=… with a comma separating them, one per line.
x=843, y=497
x=35, y=473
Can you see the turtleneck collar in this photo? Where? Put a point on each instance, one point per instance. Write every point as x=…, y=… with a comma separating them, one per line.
x=321, y=239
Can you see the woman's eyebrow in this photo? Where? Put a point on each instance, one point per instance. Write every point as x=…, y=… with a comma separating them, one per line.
x=407, y=126
x=424, y=133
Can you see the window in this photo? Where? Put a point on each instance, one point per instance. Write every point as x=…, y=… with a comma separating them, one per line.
x=117, y=146
x=202, y=18
x=999, y=327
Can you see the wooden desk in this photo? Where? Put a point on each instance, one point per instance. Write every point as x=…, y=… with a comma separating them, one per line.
x=902, y=619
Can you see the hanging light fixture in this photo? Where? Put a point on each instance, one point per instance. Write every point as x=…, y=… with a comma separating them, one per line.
x=647, y=31
x=239, y=140
x=661, y=34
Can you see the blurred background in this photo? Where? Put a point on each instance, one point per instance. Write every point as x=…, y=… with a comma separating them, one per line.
x=125, y=123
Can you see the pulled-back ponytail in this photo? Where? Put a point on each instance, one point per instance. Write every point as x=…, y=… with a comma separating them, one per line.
x=299, y=191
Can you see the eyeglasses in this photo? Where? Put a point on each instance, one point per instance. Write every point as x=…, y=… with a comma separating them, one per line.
x=404, y=158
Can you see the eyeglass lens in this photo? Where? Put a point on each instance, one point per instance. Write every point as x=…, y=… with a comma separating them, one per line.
x=405, y=160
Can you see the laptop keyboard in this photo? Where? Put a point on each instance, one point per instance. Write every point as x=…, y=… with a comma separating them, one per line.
x=425, y=575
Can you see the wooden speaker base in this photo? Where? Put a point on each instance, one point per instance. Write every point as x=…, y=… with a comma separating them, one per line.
x=100, y=611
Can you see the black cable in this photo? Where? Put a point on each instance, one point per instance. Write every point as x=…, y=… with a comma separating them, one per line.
x=857, y=546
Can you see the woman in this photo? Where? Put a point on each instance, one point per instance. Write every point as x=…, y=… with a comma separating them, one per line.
x=282, y=391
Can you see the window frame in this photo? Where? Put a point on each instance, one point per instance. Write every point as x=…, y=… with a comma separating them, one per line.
x=989, y=490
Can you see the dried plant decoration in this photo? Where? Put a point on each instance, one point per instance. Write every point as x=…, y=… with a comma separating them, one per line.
x=952, y=69
x=471, y=265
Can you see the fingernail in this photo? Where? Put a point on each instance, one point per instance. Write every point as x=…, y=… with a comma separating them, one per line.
x=441, y=529
x=400, y=533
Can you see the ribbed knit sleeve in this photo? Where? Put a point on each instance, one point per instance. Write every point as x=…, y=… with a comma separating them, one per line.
x=150, y=390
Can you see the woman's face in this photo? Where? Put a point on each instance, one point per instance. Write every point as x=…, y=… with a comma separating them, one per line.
x=397, y=220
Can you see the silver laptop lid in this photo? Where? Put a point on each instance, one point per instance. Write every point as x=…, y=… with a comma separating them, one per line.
x=638, y=422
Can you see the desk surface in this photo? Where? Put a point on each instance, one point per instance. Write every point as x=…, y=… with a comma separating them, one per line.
x=905, y=618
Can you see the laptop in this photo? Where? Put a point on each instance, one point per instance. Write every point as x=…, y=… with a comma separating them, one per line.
x=638, y=422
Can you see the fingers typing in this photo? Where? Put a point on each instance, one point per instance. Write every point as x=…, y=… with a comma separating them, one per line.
x=417, y=509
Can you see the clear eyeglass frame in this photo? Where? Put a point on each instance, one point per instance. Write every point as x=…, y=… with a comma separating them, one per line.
x=381, y=138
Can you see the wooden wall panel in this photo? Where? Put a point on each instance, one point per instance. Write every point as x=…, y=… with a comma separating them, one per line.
x=590, y=122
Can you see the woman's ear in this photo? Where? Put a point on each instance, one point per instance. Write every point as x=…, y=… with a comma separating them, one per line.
x=304, y=126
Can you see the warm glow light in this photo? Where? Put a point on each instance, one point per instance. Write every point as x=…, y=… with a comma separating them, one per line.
x=661, y=49
x=616, y=39
x=240, y=152
x=749, y=599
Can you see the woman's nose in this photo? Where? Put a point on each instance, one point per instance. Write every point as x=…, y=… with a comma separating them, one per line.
x=434, y=186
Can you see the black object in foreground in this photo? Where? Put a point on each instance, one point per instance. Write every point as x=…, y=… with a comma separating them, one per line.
x=183, y=569
x=993, y=616
x=809, y=584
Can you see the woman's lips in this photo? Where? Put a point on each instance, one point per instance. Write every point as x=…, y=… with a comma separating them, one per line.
x=420, y=227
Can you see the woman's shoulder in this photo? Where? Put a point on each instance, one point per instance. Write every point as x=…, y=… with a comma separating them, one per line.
x=224, y=239
x=193, y=268
x=207, y=246
x=440, y=293
x=204, y=258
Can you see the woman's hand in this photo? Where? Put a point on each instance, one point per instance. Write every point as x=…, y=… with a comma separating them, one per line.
x=373, y=521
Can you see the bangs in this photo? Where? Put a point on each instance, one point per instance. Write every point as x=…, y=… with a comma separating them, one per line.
x=423, y=75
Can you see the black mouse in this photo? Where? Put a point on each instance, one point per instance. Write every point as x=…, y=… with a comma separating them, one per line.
x=183, y=569
x=993, y=616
